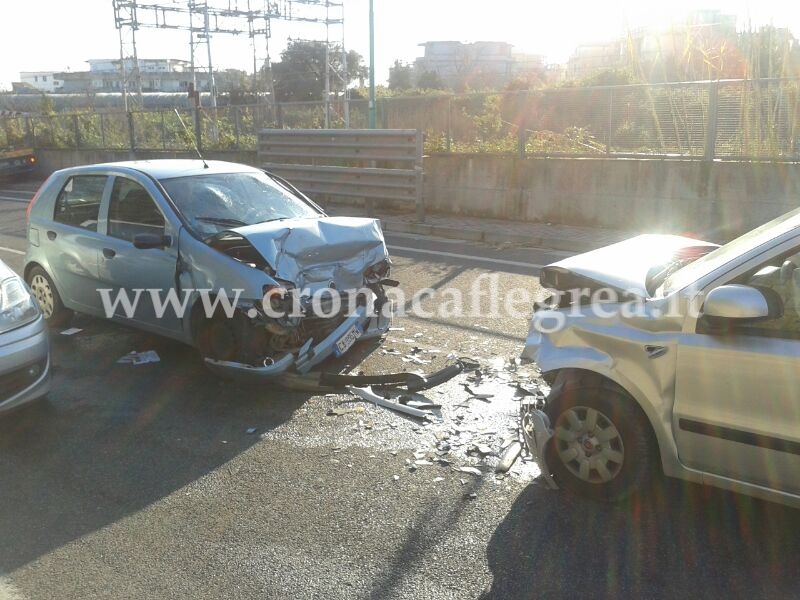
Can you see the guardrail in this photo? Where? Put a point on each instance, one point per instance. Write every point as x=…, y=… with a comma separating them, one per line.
x=366, y=164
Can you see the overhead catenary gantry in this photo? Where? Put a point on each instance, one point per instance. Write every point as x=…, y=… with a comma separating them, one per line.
x=206, y=18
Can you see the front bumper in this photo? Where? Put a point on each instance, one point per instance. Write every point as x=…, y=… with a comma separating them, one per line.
x=310, y=355
x=25, y=360
x=536, y=433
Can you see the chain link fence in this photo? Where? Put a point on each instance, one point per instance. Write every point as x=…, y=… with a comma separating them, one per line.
x=705, y=120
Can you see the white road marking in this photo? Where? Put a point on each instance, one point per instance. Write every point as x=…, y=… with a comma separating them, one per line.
x=8, y=591
x=499, y=261
x=20, y=200
x=12, y=250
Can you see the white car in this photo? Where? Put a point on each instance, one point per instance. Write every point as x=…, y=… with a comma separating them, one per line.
x=24, y=344
x=680, y=356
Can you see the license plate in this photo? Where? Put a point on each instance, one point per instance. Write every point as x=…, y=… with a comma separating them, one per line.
x=347, y=340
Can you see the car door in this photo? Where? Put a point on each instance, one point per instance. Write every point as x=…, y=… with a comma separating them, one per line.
x=72, y=242
x=737, y=394
x=134, y=272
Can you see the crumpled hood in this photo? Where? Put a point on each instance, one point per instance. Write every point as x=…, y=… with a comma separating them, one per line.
x=324, y=250
x=623, y=266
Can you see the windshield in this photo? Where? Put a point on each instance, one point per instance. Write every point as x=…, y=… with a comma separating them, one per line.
x=724, y=254
x=216, y=202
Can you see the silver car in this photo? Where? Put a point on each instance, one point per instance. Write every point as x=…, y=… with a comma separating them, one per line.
x=24, y=344
x=223, y=256
x=665, y=352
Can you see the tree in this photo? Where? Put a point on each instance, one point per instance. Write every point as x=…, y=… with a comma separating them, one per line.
x=430, y=80
x=300, y=74
x=400, y=76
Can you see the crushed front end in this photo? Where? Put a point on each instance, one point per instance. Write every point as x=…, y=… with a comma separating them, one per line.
x=324, y=290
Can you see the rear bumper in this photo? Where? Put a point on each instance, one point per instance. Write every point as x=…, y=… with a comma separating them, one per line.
x=310, y=355
x=25, y=360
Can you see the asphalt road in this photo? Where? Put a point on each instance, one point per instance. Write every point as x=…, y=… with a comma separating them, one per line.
x=161, y=481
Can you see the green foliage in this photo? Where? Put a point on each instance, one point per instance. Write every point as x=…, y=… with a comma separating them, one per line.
x=300, y=74
x=400, y=76
x=430, y=80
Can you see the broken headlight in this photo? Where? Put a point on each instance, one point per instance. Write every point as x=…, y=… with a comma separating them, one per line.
x=378, y=271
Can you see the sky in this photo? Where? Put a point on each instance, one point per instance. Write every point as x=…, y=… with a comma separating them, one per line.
x=54, y=35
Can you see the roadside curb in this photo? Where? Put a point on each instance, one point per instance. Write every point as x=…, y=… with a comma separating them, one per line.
x=491, y=237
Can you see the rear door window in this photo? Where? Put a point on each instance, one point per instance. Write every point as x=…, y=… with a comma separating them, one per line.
x=78, y=203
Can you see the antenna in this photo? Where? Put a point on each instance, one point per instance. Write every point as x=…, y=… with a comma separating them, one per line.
x=191, y=135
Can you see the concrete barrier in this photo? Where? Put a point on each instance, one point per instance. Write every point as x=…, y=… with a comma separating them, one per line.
x=636, y=194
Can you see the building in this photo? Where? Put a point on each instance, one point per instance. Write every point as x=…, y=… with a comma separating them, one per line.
x=43, y=81
x=104, y=75
x=479, y=65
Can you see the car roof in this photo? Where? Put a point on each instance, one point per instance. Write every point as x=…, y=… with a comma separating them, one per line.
x=167, y=168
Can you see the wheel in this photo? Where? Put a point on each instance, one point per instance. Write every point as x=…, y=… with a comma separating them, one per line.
x=55, y=313
x=602, y=446
x=218, y=338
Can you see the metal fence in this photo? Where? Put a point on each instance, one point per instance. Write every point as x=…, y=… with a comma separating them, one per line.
x=741, y=119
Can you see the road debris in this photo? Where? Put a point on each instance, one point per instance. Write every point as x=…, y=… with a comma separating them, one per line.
x=71, y=331
x=250, y=430
x=481, y=449
x=509, y=457
x=471, y=470
x=370, y=396
x=338, y=411
x=140, y=358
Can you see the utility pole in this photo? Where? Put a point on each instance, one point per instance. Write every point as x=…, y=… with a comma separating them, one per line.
x=372, y=108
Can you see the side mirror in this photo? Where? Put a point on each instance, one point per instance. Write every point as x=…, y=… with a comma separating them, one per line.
x=742, y=302
x=145, y=241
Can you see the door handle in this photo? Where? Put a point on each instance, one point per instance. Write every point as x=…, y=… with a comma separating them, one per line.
x=109, y=253
x=51, y=235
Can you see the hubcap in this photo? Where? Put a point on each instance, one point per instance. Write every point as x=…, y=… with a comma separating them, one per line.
x=589, y=444
x=43, y=294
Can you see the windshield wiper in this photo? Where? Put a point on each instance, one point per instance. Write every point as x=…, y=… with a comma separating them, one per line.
x=222, y=221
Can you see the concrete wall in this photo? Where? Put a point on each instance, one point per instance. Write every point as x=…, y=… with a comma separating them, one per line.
x=665, y=195
x=653, y=195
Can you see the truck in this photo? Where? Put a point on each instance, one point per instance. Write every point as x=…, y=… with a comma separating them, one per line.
x=17, y=156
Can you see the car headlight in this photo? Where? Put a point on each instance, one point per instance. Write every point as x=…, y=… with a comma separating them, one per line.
x=17, y=306
x=378, y=271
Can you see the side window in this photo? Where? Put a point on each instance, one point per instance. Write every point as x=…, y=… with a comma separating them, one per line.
x=782, y=276
x=132, y=211
x=78, y=203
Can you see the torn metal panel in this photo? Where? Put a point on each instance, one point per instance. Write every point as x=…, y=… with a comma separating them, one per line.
x=411, y=381
x=370, y=396
x=536, y=433
x=243, y=371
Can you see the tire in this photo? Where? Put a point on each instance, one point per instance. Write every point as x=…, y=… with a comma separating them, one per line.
x=218, y=339
x=55, y=313
x=602, y=446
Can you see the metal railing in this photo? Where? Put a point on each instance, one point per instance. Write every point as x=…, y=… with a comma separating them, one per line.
x=736, y=119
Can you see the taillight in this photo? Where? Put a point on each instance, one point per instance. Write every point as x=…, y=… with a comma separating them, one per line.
x=30, y=205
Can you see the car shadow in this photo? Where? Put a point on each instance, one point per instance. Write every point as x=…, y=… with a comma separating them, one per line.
x=680, y=540
x=114, y=438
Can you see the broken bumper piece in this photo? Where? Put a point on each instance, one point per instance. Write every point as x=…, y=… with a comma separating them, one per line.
x=309, y=356
x=536, y=432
